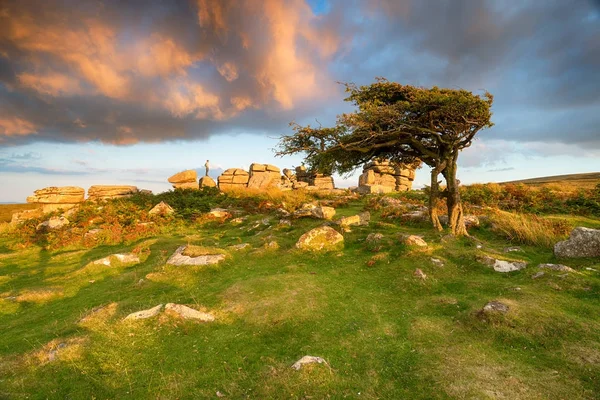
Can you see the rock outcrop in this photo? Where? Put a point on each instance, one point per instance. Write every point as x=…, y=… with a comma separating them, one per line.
x=233, y=178
x=106, y=192
x=263, y=176
x=206, y=181
x=161, y=208
x=385, y=177
x=53, y=198
x=321, y=181
x=185, y=180
x=25, y=215
x=582, y=242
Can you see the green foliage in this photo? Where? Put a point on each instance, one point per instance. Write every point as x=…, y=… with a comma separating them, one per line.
x=187, y=203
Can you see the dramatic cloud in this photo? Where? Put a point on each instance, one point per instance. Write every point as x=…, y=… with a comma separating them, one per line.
x=124, y=72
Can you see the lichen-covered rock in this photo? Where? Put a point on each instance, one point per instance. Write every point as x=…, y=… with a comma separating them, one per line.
x=186, y=312
x=53, y=223
x=178, y=258
x=323, y=238
x=105, y=192
x=495, y=306
x=53, y=198
x=556, y=267
x=233, y=178
x=503, y=265
x=413, y=240
x=263, y=176
x=161, y=208
x=582, y=242
x=360, y=219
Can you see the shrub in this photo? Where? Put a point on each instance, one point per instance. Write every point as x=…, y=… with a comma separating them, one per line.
x=530, y=229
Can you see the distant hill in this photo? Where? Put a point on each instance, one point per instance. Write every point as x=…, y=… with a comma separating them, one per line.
x=587, y=180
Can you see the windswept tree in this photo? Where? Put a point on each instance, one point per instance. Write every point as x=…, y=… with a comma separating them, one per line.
x=404, y=124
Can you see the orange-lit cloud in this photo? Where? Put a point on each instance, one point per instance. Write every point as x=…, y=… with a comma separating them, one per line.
x=15, y=126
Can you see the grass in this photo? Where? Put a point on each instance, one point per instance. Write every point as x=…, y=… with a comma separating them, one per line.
x=384, y=333
x=531, y=229
x=564, y=182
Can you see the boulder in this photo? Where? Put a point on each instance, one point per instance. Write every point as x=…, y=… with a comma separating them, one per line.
x=206, y=181
x=189, y=175
x=186, y=312
x=53, y=198
x=149, y=313
x=308, y=360
x=495, y=306
x=582, y=242
x=323, y=238
x=233, y=178
x=161, y=208
x=53, y=223
x=178, y=258
x=263, y=176
x=127, y=258
x=360, y=219
x=105, y=192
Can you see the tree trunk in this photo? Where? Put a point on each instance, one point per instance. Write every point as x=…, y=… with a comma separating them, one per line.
x=433, y=198
x=456, y=220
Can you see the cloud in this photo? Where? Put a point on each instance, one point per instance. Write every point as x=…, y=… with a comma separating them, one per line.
x=76, y=71
x=501, y=169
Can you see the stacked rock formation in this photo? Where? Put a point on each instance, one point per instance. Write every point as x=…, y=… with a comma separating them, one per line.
x=105, y=192
x=385, y=176
x=312, y=181
x=53, y=198
x=185, y=180
x=233, y=178
x=263, y=176
x=322, y=181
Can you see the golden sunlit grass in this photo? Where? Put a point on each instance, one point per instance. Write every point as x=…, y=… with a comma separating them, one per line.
x=197, y=251
x=565, y=183
x=530, y=229
x=40, y=295
x=7, y=210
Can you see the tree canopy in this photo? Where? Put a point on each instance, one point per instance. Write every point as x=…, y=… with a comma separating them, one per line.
x=402, y=123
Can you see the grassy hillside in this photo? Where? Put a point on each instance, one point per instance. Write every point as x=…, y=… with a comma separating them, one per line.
x=385, y=333
x=573, y=181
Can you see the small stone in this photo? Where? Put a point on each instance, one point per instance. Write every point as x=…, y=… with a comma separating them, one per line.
x=189, y=313
x=179, y=259
x=308, y=360
x=437, y=262
x=219, y=394
x=285, y=222
x=161, y=208
x=323, y=212
x=53, y=223
x=128, y=258
x=538, y=275
x=361, y=219
x=272, y=245
x=590, y=269
x=512, y=249
x=149, y=313
x=557, y=267
x=502, y=265
x=374, y=237
x=219, y=213
x=414, y=240
x=241, y=246
x=495, y=306
x=238, y=220
x=419, y=274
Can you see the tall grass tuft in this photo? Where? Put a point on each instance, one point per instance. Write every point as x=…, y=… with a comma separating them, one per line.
x=529, y=228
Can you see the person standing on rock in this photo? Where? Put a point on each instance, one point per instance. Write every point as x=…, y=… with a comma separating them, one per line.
x=207, y=166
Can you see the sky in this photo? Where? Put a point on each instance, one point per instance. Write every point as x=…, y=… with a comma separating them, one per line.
x=112, y=92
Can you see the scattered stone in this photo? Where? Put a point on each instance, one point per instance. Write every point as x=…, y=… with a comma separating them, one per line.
x=437, y=262
x=419, y=274
x=512, y=249
x=272, y=245
x=308, y=360
x=238, y=220
x=149, y=313
x=360, y=219
x=323, y=238
x=185, y=180
x=417, y=215
x=323, y=212
x=582, y=242
x=161, y=208
x=471, y=221
x=219, y=394
x=502, y=265
x=92, y=233
x=285, y=222
x=53, y=198
x=219, y=213
x=189, y=313
x=495, y=306
x=106, y=192
x=283, y=212
x=53, y=223
x=557, y=267
x=590, y=269
x=413, y=240
x=179, y=259
x=241, y=246
x=374, y=237
x=206, y=181
x=538, y=274
x=128, y=258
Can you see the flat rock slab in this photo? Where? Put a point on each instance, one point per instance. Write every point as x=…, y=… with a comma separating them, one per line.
x=556, y=267
x=495, y=306
x=179, y=259
x=186, y=312
x=503, y=265
x=308, y=360
x=128, y=258
x=149, y=313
